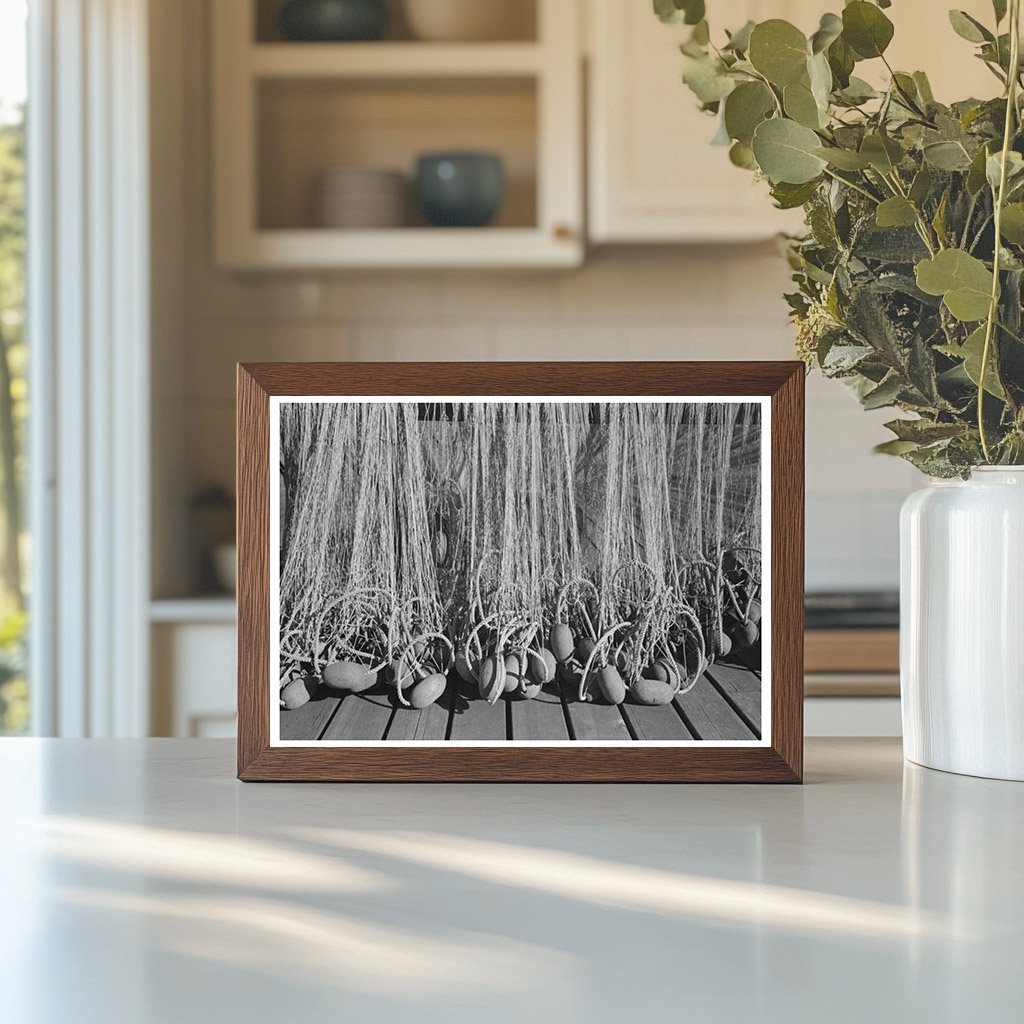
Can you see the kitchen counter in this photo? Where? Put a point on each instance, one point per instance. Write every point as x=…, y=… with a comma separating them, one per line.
x=143, y=884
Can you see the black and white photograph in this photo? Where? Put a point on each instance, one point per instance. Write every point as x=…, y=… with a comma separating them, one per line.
x=520, y=571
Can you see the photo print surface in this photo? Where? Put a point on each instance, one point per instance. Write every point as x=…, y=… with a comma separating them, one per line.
x=556, y=571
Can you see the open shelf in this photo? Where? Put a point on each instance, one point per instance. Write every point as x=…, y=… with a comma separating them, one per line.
x=308, y=127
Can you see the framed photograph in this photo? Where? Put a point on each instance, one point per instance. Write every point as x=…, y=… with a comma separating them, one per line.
x=520, y=572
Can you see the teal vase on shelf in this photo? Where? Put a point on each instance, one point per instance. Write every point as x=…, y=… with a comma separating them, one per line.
x=329, y=21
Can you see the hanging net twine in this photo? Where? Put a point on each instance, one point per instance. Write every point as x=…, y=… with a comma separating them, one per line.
x=358, y=580
x=411, y=529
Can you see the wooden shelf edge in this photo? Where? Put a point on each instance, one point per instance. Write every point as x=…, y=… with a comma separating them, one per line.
x=407, y=248
x=392, y=60
x=211, y=608
x=852, y=650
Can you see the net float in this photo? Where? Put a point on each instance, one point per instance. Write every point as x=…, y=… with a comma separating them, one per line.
x=515, y=671
x=348, y=676
x=425, y=692
x=561, y=642
x=611, y=685
x=489, y=672
x=743, y=634
x=464, y=670
x=541, y=668
x=652, y=692
x=294, y=694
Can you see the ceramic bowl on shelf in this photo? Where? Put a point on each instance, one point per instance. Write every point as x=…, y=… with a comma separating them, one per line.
x=361, y=198
x=460, y=189
x=468, y=20
x=332, y=21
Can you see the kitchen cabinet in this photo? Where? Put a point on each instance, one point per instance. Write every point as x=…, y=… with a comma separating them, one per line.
x=653, y=175
x=286, y=113
x=193, y=673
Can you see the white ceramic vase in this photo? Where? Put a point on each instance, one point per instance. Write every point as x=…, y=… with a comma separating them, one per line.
x=962, y=624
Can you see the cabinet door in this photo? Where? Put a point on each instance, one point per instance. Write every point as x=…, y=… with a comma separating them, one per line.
x=653, y=175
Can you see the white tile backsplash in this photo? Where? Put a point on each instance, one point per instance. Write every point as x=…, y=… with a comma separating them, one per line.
x=714, y=303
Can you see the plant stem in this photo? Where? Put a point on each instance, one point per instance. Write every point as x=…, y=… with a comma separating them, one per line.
x=856, y=188
x=993, y=309
x=923, y=228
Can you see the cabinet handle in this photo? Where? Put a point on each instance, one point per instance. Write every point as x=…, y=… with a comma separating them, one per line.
x=563, y=232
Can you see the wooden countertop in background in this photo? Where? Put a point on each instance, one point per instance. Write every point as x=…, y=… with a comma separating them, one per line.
x=852, y=662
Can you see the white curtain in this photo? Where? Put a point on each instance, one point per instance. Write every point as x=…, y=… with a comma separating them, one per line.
x=89, y=348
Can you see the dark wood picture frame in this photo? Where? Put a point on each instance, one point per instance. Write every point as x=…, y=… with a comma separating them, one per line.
x=781, y=761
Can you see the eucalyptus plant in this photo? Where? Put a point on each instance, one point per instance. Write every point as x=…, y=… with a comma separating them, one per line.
x=909, y=280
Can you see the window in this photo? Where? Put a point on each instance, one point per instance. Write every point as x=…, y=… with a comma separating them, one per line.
x=14, y=547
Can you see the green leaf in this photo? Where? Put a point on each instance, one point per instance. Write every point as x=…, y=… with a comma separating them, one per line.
x=785, y=152
x=882, y=153
x=885, y=394
x=999, y=7
x=969, y=28
x=741, y=155
x=739, y=41
x=830, y=29
x=1014, y=169
x=858, y=91
x=923, y=431
x=820, y=76
x=896, y=212
x=976, y=174
x=921, y=185
x=841, y=60
x=800, y=105
x=1012, y=225
x=906, y=90
x=947, y=156
x=939, y=220
x=745, y=108
x=866, y=29
x=708, y=80
x=963, y=281
x=789, y=197
x=971, y=352
x=896, y=447
x=778, y=50
x=844, y=159
x=924, y=87
x=676, y=12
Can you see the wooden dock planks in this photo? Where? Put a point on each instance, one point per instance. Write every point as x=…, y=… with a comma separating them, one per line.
x=360, y=717
x=478, y=720
x=429, y=724
x=309, y=721
x=709, y=715
x=656, y=723
x=742, y=689
x=724, y=705
x=542, y=718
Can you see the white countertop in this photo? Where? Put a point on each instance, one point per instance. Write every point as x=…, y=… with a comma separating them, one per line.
x=142, y=884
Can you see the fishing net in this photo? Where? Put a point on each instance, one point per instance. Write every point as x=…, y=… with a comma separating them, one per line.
x=483, y=527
